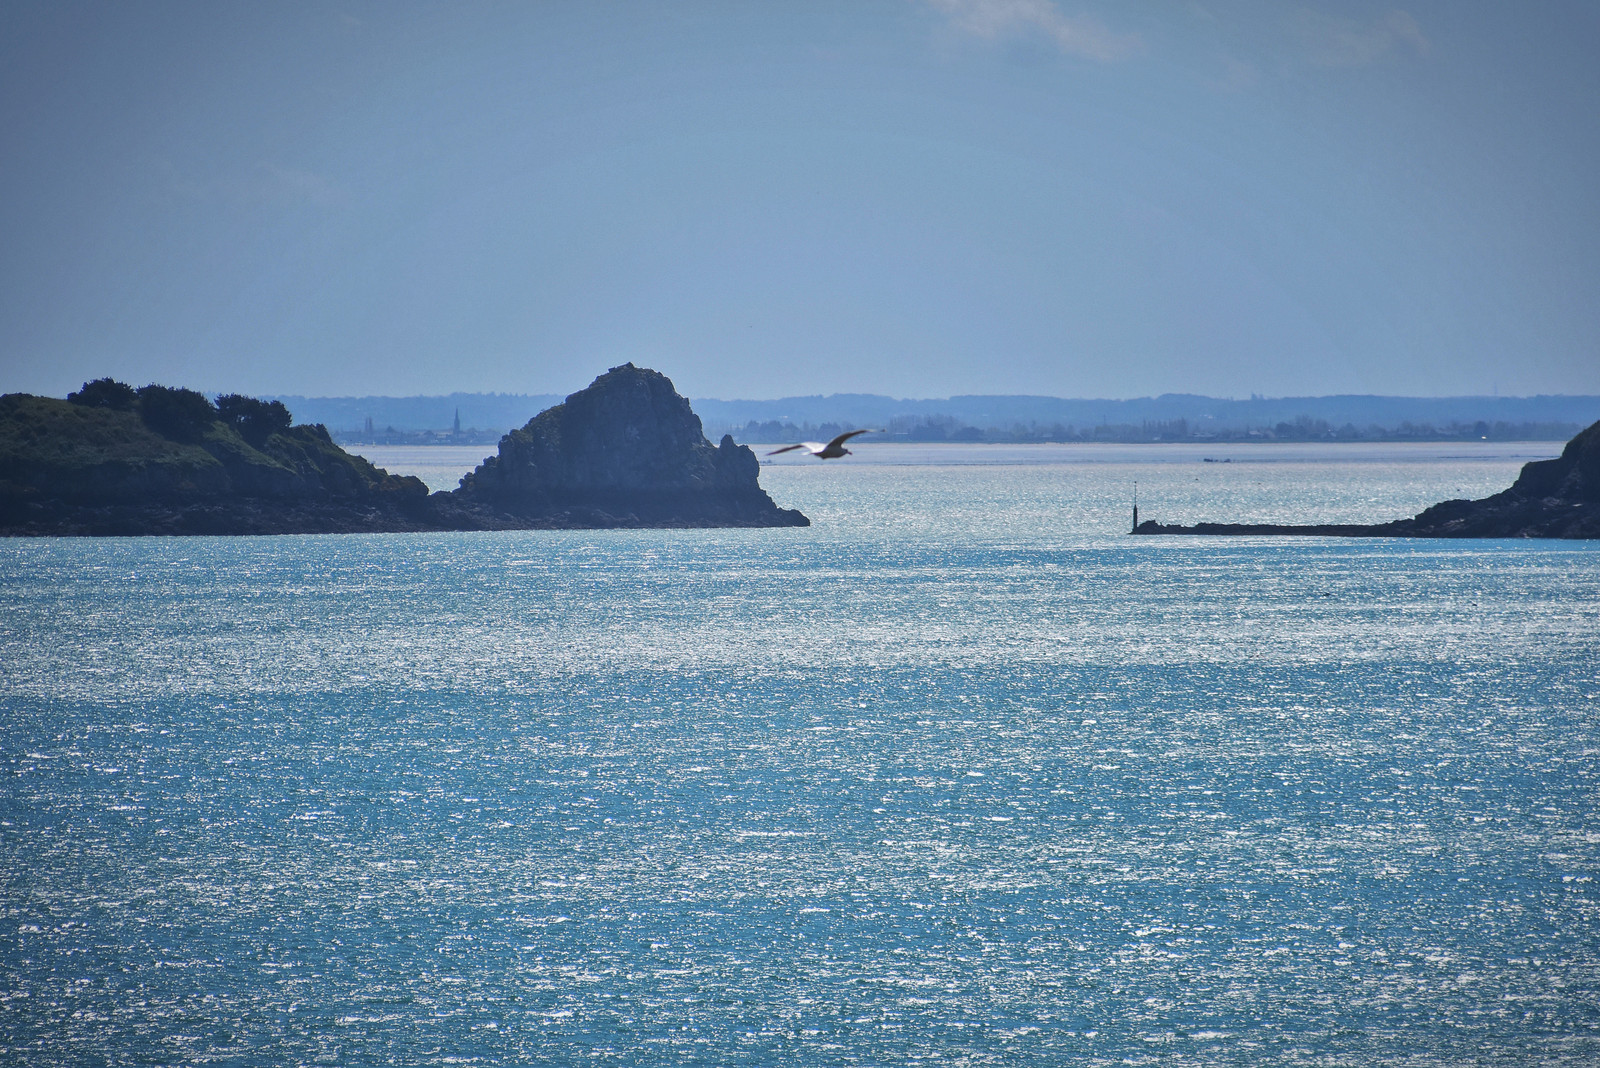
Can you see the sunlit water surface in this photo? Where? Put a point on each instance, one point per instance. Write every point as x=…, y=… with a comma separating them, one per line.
x=960, y=774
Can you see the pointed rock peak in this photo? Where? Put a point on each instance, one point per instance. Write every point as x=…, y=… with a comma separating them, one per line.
x=627, y=446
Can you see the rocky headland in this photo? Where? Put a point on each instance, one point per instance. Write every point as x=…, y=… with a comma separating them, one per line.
x=1557, y=498
x=110, y=460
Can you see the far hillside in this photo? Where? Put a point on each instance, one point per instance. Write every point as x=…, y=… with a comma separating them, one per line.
x=481, y=418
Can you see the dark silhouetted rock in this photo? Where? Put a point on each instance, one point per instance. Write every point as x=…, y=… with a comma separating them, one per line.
x=1557, y=498
x=625, y=452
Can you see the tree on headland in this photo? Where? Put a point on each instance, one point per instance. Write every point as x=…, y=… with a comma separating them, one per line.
x=184, y=414
x=255, y=420
x=179, y=414
x=106, y=393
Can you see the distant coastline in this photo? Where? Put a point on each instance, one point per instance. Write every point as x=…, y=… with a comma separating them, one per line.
x=481, y=418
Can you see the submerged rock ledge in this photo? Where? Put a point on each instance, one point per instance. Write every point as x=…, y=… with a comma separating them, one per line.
x=1557, y=498
x=625, y=452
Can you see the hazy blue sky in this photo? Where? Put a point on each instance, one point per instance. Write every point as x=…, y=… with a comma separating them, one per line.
x=912, y=197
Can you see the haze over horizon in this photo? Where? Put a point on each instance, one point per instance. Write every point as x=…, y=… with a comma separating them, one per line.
x=914, y=198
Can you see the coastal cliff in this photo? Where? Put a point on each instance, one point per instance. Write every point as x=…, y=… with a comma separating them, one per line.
x=111, y=460
x=625, y=452
x=1557, y=498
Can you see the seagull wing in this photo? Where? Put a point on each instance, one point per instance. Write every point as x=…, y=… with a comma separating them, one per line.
x=846, y=436
x=786, y=448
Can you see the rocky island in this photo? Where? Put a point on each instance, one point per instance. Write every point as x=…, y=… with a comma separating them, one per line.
x=111, y=460
x=626, y=452
x=1557, y=498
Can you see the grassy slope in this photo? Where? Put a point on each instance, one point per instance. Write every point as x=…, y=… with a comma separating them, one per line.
x=50, y=448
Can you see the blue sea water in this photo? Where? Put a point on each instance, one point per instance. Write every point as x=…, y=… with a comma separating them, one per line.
x=960, y=774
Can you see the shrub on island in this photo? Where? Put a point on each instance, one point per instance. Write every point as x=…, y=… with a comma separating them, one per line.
x=255, y=420
x=178, y=414
x=105, y=393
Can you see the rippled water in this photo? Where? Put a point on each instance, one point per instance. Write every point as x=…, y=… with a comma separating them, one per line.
x=957, y=775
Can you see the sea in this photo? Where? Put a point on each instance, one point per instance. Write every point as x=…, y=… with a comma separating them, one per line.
x=960, y=774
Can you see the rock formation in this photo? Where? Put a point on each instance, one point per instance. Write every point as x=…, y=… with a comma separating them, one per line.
x=626, y=451
x=1557, y=498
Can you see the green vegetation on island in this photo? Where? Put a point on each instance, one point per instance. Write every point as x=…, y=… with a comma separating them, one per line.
x=114, y=460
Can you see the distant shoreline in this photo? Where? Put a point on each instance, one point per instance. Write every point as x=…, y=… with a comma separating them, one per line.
x=470, y=418
x=441, y=466
x=870, y=450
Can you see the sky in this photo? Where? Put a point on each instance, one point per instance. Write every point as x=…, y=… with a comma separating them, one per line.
x=918, y=198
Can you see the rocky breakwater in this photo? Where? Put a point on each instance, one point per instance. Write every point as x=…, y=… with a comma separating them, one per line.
x=625, y=452
x=1557, y=498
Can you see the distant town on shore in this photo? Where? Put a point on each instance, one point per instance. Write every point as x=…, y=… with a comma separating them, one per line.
x=481, y=418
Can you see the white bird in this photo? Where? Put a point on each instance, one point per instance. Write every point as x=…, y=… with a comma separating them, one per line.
x=832, y=450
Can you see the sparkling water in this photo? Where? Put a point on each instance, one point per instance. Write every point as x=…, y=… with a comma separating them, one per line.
x=960, y=774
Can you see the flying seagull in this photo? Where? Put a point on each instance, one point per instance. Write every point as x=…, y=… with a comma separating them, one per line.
x=831, y=451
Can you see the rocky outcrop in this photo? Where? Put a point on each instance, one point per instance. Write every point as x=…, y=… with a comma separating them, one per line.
x=76, y=468
x=625, y=452
x=1557, y=498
